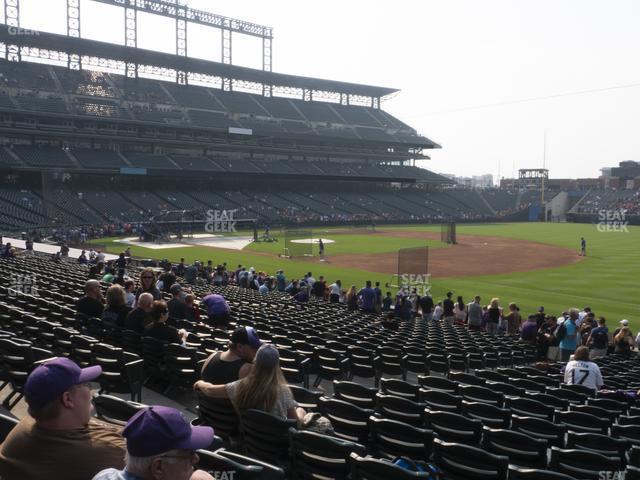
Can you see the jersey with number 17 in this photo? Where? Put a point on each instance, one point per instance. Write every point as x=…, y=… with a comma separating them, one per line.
x=583, y=373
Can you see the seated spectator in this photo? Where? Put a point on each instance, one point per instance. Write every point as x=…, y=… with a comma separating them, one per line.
x=58, y=438
x=159, y=329
x=91, y=304
x=140, y=317
x=108, y=276
x=582, y=371
x=195, y=310
x=264, y=388
x=82, y=259
x=177, y=308
x=235, y=362
x=161, y=444
x=116, y=310
x=148, y=284
x=319, y=287
x=218, y=310
x=303, y=294
x=598, y=340
x=7, y=251
x=129, y=287
x=166, y=281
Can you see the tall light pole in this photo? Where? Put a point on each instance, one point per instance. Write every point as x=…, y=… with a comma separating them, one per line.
x=544, y=163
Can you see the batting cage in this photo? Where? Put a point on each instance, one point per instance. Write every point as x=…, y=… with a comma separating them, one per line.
x=413, y=269
x=298, y=243
x=448, y=234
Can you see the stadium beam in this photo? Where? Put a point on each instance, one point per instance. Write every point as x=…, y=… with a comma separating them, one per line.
x=73, y=30
x=176, y=9
x=12, y=19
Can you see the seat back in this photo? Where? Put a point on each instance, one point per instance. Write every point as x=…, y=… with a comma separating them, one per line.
x=349, y=421
x=390, y=439
x=313, y=455
x=244, y=468
x=602, y=444
x=359, y=395
x=522, y=450
x=265, y=436
x=464, y=462
x=220, y=414
x=517, y=473
x=115, y=410
x=582, y=464
x=368, y=468
x=539, y=428
x=453, y=427
x=401, y=409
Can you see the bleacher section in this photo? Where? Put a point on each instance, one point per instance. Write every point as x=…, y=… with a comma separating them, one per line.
x=100, y=159
x=44, y=156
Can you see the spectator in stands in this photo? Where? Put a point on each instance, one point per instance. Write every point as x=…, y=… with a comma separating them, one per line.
x=58, y=438
x=148, y=284
x=582, y=371
x=166, y=281
x=281, y=280
x=437, y=312
x=378, y=303
x=82, y=259
x=217, y=309
x=129, y=287
x=95, y=271
x=108, y=276
x=303, y=293
x=545, y=337
x=474, y=314
x=100, y=257
x=494, y=316
x=405, y=309
x=140, y=317
x=191, y=273
x=265, y=287
x=159, y=329
x=91, y=305
x=623, y=340
x=235, y=362
x=447, y=309
x=541, y=317
x=8, y=251
x=180, y=268
x=459, y=311
x=334, y=291
x=178, y=309
x=367, y=296
x=121, y=262
x=116, y=310
x=264, y=388
x=319, y=287
x=387, y=302
x=568, y=341
x=309, y=280
x=513, y=319
x=195, y=310
x=598, y=339
x=352, y=299
x=161, y=444
x=529, y=331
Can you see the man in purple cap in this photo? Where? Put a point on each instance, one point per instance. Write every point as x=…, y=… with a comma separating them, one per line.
x=161, y=445
x=217, y=309
x=235, y=362
x=59, y=439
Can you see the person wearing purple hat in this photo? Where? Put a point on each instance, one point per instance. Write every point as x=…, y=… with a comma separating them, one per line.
x=217, y=309
x=264, y=388
x=161, y=445
x=58, y=438
x=235, y=362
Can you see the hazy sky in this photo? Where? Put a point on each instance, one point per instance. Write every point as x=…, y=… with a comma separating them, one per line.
x=459, y=64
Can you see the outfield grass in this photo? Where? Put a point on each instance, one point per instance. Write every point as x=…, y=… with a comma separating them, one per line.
x=607, y=280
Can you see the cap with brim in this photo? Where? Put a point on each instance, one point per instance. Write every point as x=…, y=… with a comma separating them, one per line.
x=52, y=379
x=267, y=356
x=246, y=336
x=624, y=322
x=155, y=430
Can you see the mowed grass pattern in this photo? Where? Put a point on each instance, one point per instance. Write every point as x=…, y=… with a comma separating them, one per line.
x=606, y=280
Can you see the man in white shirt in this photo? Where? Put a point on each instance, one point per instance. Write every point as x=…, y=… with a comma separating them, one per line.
x=582, y=371
x=334, y=291
x=309, y=279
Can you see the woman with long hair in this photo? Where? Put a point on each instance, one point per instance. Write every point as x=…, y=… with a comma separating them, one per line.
x=459, y=311
x=352, y=299
x=264, y=388
x=148, y=284
x=513, y=319
x=116, y=310
x=494, y=315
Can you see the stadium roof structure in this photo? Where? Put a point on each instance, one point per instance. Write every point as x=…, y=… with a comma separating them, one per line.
x=73, y=46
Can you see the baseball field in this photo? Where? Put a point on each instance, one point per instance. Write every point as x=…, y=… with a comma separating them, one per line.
x=531, y=264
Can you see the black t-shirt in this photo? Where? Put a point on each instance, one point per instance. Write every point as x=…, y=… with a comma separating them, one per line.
x=160, y=331
x=318, y=289
x=220, y=372
x=137, y=320
x=426, y=304
x=178, y=309
x=89, y=306
x=494, y=315
x=600, y=338
x=447, y=307
x=115, y=316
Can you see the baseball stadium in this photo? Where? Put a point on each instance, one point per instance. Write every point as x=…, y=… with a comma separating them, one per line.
x=247, y=274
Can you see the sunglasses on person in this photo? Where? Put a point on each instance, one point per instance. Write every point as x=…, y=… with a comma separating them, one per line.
x=147, y=277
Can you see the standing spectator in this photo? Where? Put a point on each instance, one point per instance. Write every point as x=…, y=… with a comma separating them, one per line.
x=623, y=340
x=541, y=317
x=319, y=287
x=378, y=304
x=217, y=309
x=303, y=293
x=474, y=314
x=514, y=319
x=191, y=273
x=426, y=307
x=281, y=281
x=599, y=340
x=334, y=291
x=530, y=330
x=367, y=296
x=235, y=362
x=352, y=299
x=148, y=284
x=581, y=371
x=545, y=337
x=58, y=438
x=180, y=268
x=161, y=444
x=387, y=302
x=459, y=311
x=494, y=316
x=91, y=304
x=116, y=310
x=437, y=312
x=447, y=309
x=567, y=335
x=309, y=280
x=129, y=287
x=82, y=259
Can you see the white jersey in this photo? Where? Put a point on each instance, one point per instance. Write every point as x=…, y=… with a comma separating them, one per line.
x=583, y=373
